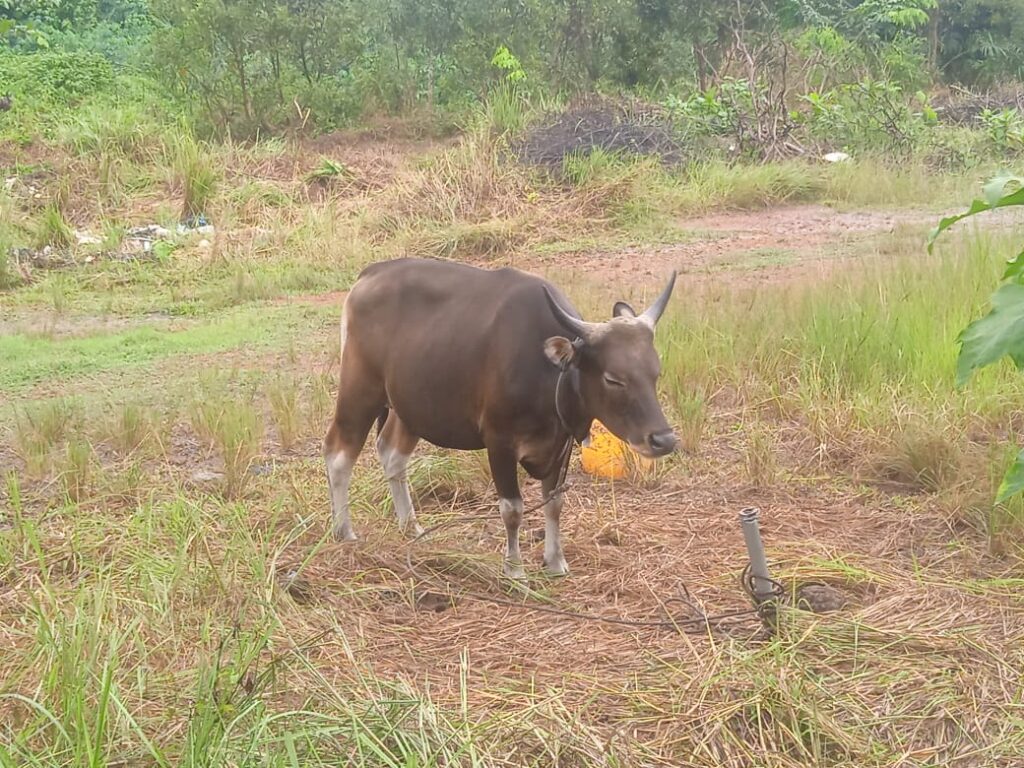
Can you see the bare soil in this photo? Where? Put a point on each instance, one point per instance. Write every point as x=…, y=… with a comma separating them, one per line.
x=777, y=244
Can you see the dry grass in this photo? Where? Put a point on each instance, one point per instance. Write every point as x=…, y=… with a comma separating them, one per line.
x=924, y=639
x=146, y=622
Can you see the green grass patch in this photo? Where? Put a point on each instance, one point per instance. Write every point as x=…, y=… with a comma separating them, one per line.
x=180, y=287
x=27, y=360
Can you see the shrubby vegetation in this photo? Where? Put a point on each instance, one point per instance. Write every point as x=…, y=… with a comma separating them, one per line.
x=857, y=71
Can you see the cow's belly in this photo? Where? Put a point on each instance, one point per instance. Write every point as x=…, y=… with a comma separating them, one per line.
x=456, y=437
x=438, y=415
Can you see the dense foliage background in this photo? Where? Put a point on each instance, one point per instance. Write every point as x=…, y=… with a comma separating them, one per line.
x=244, y=66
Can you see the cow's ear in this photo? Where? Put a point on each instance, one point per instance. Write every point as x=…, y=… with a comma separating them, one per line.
x=622, y=309
x=559, y=350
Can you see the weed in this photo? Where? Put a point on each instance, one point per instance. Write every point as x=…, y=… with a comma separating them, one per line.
x=39, y=428
x=131, y=428
x=114, y=234
x=693, y=420
x=759, y=456
x=231, y=425
x=197, y=175
x=77, y=471
x=59, y=290
x=52, y=229
x=283, y=395
x=328, y=170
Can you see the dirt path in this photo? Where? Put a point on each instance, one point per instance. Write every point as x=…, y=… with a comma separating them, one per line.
x=778, y=244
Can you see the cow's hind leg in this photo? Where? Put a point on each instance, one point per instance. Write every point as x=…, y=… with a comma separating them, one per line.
x=361, y=399
x=510, y=505
x=394, y=446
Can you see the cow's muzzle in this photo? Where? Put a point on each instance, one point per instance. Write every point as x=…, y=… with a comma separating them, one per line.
x=660, y=443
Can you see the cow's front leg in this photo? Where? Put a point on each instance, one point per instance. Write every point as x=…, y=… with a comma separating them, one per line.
x=554, y=560
x=510, y=505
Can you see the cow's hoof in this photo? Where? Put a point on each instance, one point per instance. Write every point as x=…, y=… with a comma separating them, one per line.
x=413, y=531
x=514, y=571
x=557, y=566
x=345, y=533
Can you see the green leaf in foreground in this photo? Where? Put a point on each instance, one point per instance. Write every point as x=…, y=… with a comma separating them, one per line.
x=999, y=333
x=1013, y=480
x=1002, y=191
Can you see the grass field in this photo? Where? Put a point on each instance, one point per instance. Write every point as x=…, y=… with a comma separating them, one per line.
x=169, y=592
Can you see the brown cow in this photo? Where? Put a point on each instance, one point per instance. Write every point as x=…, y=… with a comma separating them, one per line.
x=467, y=358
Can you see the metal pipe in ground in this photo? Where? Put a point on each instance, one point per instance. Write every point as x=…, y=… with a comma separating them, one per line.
x=761, y=585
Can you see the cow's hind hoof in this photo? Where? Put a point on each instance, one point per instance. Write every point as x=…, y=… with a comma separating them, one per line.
x=413, y=531
x=345, y=533
x=557, y=567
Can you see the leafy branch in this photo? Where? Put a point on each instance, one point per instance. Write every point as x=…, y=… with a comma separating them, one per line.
x=1000, y=333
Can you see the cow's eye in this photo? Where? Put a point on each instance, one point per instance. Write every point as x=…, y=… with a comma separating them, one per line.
x=611, y=381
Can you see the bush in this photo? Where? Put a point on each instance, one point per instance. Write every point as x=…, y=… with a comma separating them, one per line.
x=1004, y=129
x=870, y=116
x=55, y=77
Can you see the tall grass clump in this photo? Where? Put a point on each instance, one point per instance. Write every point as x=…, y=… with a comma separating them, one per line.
x=39, y=428
x=707, y=185
x=197, y=173
x=874, y=182
x=283, y=396
x=78, y=469
x=8, y=274
x=129, y=428
x=467, y=183
x=858, y=358
x=507, y=110
x=53, y=229
x=231, y=425
x=9, y=236
x=123, y=130
x=321, y=402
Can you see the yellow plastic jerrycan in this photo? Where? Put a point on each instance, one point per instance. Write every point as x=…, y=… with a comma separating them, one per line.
x=607, y=456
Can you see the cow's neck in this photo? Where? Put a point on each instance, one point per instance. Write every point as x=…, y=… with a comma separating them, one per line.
x=569, y=405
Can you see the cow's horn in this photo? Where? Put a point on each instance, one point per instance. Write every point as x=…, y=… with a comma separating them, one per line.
x=653, y=313
x=581, y=328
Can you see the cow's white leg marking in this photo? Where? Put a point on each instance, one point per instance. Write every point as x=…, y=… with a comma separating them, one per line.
x=339, y=474
x=395, y=464
x=554, y=560
x=512, y=515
